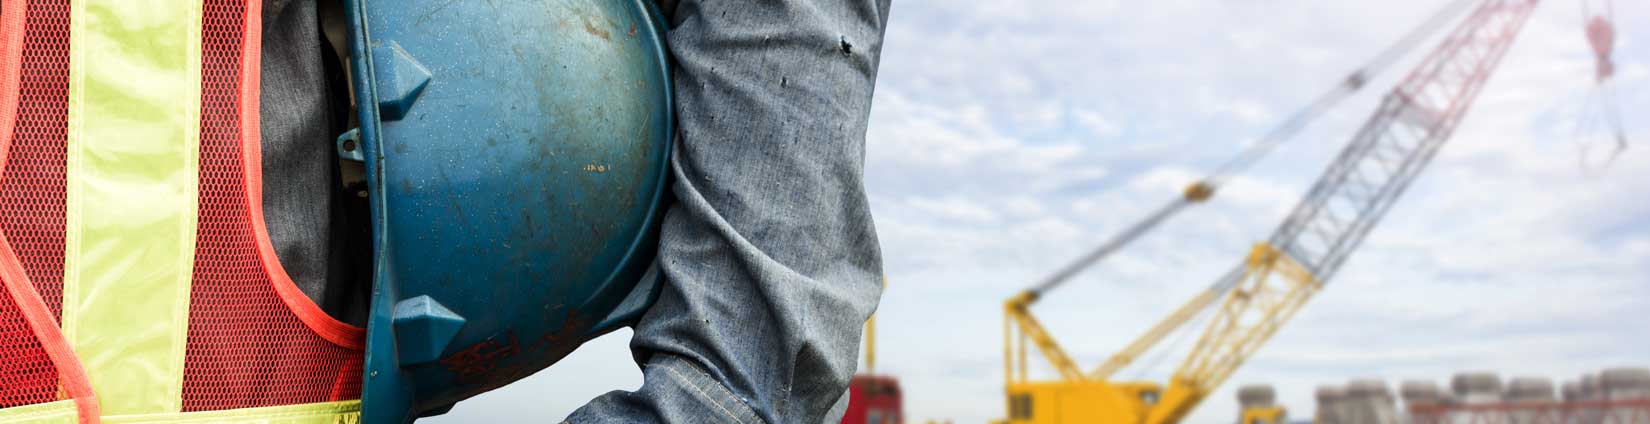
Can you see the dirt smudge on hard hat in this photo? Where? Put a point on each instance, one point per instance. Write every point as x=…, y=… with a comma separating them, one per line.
x=478, y=360
x=428, y=15
x=504, y=358
x=597, y=31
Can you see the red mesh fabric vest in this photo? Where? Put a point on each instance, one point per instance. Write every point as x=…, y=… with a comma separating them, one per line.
x=253, y=339
x=33, y=105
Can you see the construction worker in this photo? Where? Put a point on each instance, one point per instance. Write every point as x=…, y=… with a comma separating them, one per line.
x=125, y=169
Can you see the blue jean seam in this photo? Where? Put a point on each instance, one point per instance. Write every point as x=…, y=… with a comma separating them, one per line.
x=717, y=395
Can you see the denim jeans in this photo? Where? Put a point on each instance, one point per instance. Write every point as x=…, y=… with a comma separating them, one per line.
x=770, y=256
x=771, y=259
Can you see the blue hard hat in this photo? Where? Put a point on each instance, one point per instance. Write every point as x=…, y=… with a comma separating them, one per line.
x=516, y=159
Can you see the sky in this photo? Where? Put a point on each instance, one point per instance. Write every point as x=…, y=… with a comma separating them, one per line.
x=1008, y=137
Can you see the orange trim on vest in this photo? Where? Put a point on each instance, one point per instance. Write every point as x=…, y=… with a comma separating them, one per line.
x=40, y=318
x=69, y=372
x=12, y=25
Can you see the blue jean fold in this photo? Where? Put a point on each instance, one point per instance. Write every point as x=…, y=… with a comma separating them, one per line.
x=770, y=255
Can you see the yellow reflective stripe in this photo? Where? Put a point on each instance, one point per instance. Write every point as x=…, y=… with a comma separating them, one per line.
x=133, y=146
x=342, y=412
x=62, y=411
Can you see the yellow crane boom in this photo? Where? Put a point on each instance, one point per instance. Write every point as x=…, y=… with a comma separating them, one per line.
x=1278, y=276
x=1167, y=326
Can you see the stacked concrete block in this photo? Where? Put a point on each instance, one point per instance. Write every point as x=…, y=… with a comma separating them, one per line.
x=1256, y=396
x=1476, y=388
x=1329, y=410
x=1420, y=394
x=1625, y=384
x=1613, y=396
x=1590, y=392
x=1370, y=402
x=1590, y=389
x=1530, y=394
x=1571, y=391
x=1529, y=389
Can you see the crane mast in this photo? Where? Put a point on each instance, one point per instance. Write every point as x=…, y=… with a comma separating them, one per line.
x=1279, y=275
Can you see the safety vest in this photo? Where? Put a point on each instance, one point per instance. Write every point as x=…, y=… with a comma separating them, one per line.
x=140, y=282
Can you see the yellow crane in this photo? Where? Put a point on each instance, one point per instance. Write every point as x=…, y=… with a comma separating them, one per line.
x=1280, y=274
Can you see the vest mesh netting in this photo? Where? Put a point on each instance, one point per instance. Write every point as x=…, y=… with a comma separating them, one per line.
x=31, y=199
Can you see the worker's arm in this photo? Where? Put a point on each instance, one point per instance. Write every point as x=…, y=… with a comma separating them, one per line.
x=770, y=256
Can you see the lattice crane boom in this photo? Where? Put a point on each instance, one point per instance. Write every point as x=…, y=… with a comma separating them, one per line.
x=1354, y=193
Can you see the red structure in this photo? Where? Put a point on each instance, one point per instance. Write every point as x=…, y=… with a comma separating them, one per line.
x=1635, y=411
x=874, y=399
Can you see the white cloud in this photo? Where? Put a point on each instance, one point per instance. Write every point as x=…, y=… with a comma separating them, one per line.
x=1098, y=124
x=955, y=209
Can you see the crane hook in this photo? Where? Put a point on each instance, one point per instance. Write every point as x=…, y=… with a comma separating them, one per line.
x=1601, y=33
x=1601, y=36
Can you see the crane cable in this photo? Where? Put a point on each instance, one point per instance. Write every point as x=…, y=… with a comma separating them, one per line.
x=1607, y=112
x=1205, y=188
x=1327, y=101
x=1159, y=355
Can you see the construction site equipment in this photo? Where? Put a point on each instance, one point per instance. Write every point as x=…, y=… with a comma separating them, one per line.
x=1636, y=411
x=1370, y=402
x=1417, y=393
x=1614, y=396
x=1258, y=404
x=1279, y=275
x=1625, y=385
x=1480, y=397
x=1329, y=405
x=1530, y=389
x=1570, y=391
x=1476, y=387
x=528, y=154
x=1201, y=190
x=872, y=398
x=1601, y=35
